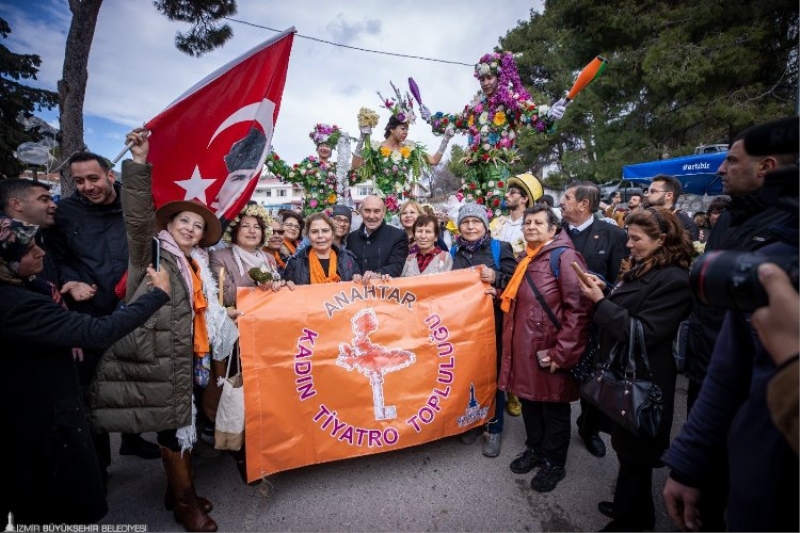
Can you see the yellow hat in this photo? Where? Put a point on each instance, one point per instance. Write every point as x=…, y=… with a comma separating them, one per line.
x=530, y=184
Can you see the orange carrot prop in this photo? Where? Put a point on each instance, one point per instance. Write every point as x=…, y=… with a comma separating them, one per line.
x=589, y=73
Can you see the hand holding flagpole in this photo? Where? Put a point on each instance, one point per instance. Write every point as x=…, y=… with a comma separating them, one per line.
x=129, y=144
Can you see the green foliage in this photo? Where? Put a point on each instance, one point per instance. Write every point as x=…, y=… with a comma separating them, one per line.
x=206, y=33
x=18, y=101
x=456, y=165
x=680, y=74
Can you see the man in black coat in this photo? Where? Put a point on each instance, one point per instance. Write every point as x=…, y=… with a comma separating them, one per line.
x=380, y=249
x=602, y=245
x=90, y=249
x=743, y=226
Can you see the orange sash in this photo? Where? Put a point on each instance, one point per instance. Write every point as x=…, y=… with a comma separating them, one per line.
x=315, y=268
x=200, y=305
x=516, y=280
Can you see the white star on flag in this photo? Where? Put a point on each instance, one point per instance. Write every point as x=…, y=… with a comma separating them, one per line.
x=196, y=186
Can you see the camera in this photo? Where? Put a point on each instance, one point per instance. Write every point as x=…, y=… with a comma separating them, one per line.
x=729, y=279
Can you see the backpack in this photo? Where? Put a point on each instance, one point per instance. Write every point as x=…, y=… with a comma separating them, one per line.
x=495, y=252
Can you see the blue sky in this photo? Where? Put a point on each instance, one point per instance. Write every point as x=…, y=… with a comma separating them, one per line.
x=135, y=70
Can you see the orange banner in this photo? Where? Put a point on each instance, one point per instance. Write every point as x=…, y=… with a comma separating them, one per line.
x=341, y=370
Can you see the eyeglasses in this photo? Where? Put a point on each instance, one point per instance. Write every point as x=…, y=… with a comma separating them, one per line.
x=278, y=231
x=291, y=226
x=514, y=191
x=341, y=220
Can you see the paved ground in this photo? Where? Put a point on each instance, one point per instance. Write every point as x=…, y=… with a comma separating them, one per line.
x=440, y=486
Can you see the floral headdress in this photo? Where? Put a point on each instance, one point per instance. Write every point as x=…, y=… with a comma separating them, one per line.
x=250, y=210
x=402, y=108
x=325, y=134
x=504, y=67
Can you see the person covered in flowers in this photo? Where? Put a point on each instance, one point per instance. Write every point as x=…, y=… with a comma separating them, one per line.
x=396, y=164
x=316, y=173
x=167, y=361
x=492, y=123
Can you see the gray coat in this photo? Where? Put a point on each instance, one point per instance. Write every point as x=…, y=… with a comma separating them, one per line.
x=144, y=382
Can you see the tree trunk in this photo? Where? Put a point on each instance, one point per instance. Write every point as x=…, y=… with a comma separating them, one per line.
x=72, y=88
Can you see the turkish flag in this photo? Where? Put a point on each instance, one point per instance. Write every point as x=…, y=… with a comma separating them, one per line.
x=211, y=143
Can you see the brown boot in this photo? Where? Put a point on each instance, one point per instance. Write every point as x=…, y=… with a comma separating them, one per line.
x=169, y=501
x=187, y=509
x=169, y=495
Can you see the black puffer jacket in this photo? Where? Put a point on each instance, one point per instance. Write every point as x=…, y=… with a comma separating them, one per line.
x=298, y=271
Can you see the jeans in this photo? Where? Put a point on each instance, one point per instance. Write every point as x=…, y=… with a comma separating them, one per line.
x=496, y=424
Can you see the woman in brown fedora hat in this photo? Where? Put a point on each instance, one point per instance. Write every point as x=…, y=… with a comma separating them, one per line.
x=165, y=364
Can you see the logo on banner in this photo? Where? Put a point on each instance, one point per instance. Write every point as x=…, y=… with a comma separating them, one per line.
x=474, y=411
x=372, y=360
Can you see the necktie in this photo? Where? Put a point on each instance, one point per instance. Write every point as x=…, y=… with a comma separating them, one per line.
x=574, y=232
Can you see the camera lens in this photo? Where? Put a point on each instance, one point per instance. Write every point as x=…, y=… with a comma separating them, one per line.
x=730, y=279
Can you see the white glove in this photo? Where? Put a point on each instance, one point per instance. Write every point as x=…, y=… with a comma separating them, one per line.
x=425, y=113
x=449, y=132
x=558, y=109
x=365, y=130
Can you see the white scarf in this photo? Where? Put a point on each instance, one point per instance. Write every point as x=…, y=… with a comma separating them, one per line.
x=222, y=332
x=246, y=260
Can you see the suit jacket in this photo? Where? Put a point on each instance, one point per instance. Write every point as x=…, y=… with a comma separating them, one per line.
x=604, y=250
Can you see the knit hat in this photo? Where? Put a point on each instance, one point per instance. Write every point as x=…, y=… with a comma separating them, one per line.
x=15, y=236
x=343, y=211
x=530, y=185
x=473, y=210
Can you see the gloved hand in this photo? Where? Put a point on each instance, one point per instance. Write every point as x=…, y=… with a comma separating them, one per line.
x=557, y=110
x=449, y=132
x=365, y=130
x=425, y=113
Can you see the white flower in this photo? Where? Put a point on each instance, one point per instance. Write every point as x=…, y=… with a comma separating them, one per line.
x=483, y=117
x=491, y=183
x=487, y=146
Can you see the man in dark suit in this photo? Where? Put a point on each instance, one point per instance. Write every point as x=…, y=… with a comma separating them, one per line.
x=603, y=247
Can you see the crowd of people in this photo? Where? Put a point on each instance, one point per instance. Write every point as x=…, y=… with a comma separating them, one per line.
x=122, y=317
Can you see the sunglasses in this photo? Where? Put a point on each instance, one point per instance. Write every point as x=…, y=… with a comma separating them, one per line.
x=278, y=231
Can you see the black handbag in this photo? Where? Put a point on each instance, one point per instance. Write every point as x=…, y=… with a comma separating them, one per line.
x=628, y=397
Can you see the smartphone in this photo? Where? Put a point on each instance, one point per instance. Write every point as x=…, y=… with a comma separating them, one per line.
x=156, y=256
x=581, y=274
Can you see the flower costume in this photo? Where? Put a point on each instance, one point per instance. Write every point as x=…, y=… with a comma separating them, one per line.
x=393, y=171
x=492, y=124
x=316, y=176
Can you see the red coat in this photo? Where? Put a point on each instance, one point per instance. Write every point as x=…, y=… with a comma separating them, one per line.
x=527, y=329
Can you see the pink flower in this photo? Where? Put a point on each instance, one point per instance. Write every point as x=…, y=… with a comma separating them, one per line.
x=313, y=203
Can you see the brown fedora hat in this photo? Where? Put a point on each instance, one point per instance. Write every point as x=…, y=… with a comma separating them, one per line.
x=213, y=226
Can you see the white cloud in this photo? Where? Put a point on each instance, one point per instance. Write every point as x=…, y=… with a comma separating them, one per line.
x=135, y=70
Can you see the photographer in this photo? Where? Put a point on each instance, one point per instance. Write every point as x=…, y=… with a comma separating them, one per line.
x=778, y=327
x=731, y=409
